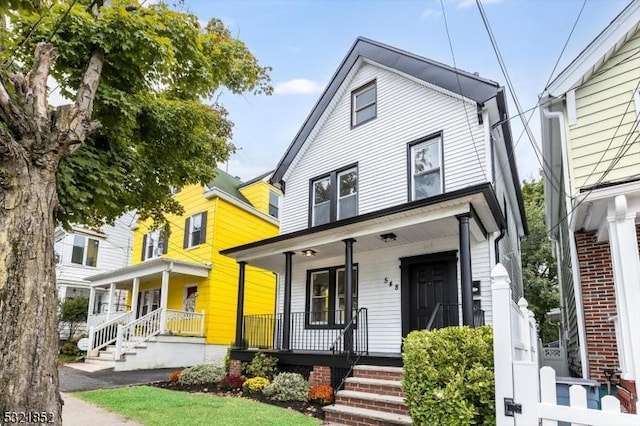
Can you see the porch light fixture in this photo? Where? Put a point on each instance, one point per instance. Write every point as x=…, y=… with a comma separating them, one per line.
x=309, y=252
x=388, y=237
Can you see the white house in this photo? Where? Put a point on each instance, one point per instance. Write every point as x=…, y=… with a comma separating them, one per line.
x=82, y=252
x=590, y=114
x=400, y=194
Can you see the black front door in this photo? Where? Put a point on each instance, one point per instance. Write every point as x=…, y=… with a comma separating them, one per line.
x=433, y=295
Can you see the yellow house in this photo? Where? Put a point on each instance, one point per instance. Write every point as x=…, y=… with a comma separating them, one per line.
x=182, y=303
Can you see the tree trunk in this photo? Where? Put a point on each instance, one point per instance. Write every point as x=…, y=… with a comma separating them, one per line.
x=28, y=308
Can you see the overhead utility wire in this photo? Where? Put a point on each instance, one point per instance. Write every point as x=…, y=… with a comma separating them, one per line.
x=464, y=104
x=503, y=67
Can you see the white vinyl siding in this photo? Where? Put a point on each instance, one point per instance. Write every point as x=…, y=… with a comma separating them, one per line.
x=406, y=111
x=383, y=301
x=605, y=107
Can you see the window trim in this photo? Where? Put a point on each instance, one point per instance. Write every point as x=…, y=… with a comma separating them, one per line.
x=85, y=250
x=410, y=145
x=161, y=240
x=333, y=196
x=333, y=296
x=357, y=91
x=188, y=231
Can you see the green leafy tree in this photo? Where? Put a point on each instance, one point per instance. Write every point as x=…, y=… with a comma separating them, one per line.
x=73, y=312
x=136, y=124
x=539, y=271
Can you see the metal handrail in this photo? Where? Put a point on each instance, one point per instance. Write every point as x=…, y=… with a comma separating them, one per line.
x=353, y=354
x=432, y=318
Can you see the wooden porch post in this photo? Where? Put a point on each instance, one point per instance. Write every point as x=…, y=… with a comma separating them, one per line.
x=92, y=300
x=465, y=269
x=112, y=292
x=286, y=316
x=164, y=295
x=348, y=291
x=240, y=309
x=134, y=296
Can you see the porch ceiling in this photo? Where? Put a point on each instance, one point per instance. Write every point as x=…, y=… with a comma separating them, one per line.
x=149, y=270
x=413, y=225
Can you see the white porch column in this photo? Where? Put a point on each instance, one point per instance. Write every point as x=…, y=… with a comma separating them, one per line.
x=164, y=294
x=626, y=276
x=134, y=296
x=92, y=300
x=112, y=292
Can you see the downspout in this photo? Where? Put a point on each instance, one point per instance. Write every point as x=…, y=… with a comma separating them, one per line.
x=496, y=241
x=559, y=115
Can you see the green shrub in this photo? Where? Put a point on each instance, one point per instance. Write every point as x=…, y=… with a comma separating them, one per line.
x=262, y=366
x=448, y=376
x=70, y=348
x=287, y=387
x=255, y=384
x=227, y=358
x=202, y=374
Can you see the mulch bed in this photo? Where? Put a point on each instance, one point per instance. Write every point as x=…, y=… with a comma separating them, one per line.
x=308, y=408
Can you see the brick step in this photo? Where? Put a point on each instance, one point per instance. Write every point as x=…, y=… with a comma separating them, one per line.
x=377, y=372
x=372, y=401
x=377, y=386
x=356, y=416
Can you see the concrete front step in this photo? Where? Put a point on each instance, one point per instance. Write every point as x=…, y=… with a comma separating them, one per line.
x=372, y=401
x=377, y=372
x=381, y=387
x=107, y=363
x=356, y=416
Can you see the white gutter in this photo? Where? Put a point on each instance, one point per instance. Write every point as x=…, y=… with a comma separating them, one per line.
x=577, y=287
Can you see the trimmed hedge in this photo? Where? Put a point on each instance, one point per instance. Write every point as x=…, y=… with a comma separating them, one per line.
x=287, y=387
x=448, y=376
x=202, y=374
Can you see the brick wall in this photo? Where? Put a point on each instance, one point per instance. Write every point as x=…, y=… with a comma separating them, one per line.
x=320, y=375
x=235, y=367
x=599, y=302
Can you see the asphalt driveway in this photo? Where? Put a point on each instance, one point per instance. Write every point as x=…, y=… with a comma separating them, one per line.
x=73, y=380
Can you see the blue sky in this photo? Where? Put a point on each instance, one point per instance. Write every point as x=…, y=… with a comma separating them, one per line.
x=305, y=41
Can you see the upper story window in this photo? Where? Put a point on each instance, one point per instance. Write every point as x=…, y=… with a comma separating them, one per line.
x=173, y=190
x=425, y=168
x=364, y=104
x=326, y=291
x=154, y=244
x=274, y=202
x=85, y=251
x=195, y=230
x=57, y=250
x=334, y=196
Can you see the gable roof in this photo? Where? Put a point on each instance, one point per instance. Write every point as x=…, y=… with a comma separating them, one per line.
x=229, y=184
x=601, y=48
x=256, y=179
x=455, y=80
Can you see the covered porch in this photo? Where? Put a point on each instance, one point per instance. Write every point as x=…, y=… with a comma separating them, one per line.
x=149, y=311
x=359, y=285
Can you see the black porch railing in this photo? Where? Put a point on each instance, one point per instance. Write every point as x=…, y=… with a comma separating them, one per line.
x=448, y=315
x=265, y=331
x=351, y=344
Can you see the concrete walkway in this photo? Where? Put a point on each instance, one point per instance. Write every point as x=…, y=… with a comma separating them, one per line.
x=76, y=412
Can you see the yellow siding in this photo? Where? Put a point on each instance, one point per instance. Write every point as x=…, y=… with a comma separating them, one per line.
x=258, y=194
x=606, y=115
x=234, y=227
x=227, y=226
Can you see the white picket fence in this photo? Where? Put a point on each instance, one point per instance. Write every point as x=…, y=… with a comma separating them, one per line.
x=526, y=394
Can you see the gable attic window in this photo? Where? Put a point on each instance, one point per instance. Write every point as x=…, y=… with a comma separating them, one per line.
x=154, y=244
x=274, y=201
x=195, y=230
x=334, y=196
x=85, y=251
x=425, y=167
x=364, y=104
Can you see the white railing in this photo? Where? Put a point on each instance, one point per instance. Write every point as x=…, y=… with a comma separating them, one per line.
x=94, y=320
x=137, y=331
x=577, y=412
x=185, y=323
x=106, y=333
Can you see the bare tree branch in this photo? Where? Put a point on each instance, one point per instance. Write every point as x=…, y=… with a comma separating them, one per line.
x=36, y=97
x=10, y=112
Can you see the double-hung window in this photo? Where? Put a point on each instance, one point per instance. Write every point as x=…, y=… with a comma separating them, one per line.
x=85, y=251
x=425, y=168
x=195, y=230
x=334, y=196
x=364, y=104
x=326, y=292
x=274, y=203
x=154, y=244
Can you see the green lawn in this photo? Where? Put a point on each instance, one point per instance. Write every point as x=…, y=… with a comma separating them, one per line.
x=159, y=407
